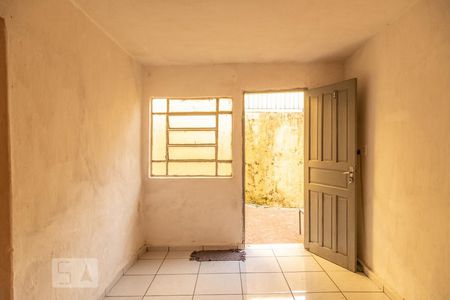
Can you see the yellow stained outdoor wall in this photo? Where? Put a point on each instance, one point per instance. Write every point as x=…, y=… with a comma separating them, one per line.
x=75, y=118
x=274, y=159
x=209, y=211
x=404, y=122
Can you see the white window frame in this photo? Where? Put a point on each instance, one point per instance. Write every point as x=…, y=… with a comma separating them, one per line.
x=167, y=159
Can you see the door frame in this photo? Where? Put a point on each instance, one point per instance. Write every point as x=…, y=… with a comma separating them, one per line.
x=6, y=201
x=268, y=91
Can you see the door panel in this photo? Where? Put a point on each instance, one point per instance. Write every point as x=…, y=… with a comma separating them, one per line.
x=330, y=161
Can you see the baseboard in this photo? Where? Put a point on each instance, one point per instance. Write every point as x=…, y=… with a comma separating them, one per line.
x=387, y=288
x=122, y=271
x=390, y=291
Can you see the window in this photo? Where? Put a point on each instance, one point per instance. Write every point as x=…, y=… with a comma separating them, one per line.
x=191, y=137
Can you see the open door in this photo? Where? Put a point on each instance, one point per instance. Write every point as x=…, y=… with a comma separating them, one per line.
x=330, y=162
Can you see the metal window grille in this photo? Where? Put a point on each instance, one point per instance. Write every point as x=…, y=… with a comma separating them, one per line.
x=289, y=101
x=191, y=137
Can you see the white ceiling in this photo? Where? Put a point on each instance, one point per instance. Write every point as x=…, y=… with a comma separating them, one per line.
x=179, y=32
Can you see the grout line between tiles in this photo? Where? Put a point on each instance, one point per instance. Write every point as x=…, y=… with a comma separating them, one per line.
x=227, y=294
x=240, y=277
x=366, y=292
x=196, y=280
x=282, y=272
x=241, y=273
x=168, y=295
x=325, y=271
x=146, y=291
x=222, y=273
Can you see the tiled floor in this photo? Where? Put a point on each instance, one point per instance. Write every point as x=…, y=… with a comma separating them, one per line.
x=271, y=272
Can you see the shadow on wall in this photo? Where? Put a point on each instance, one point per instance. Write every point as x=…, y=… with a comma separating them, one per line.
x=362, y=162
x=5, y=176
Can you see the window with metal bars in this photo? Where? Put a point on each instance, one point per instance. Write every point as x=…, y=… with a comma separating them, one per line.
x=191, y=137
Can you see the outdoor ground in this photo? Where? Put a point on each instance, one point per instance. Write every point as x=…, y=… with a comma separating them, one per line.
x=271, y=225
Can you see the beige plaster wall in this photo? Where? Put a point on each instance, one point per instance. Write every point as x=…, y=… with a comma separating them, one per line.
x=404, y=113
x=5, y=176
x=75, y=117
x=209, y=211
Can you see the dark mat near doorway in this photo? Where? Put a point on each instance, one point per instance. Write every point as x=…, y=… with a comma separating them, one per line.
x=218, y=255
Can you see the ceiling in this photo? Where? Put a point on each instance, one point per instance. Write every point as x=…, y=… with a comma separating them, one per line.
x=181, y=32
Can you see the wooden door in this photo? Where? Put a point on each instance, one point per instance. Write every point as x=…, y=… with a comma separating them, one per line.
x=330, y=162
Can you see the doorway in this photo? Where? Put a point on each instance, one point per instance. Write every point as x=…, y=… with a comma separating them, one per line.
x=273, y=166
x=273, y=155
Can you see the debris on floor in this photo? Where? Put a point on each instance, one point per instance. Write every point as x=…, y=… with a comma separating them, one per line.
x=218, y=255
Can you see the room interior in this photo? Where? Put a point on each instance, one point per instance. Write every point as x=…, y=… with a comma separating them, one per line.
x=76, y=79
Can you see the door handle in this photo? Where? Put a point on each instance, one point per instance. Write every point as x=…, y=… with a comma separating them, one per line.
x=351, y=174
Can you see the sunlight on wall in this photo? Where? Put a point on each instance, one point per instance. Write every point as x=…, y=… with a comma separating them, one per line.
x=274, y=149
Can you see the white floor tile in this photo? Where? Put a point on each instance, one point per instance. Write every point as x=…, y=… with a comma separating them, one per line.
x=258, y=246
x=299, y=251
x=179, y=254
x=219, y=267
x=218, y=297
x=298, y=264
x=260, y=278
x=310, y=282
x=287, y=246
x=353, y=282
x=131, y=286
x=260, y=264
x=263, y=283
x=166, y=298
x=179, y=266
x=319, y=296
x=144, y=267
x=258, y=252
x=269, y=297
x=153, y=255
x=123, y=298
x=172, y=285
x=225, y=284
x=366, y=296
x=327, y=265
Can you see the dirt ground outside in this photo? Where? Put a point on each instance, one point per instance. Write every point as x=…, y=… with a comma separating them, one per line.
x=271, y=225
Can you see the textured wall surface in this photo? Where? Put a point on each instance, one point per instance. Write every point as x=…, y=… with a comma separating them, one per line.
x=274, y=159
x=236, y=31
x=75, y=114
x=209, y=211
x=404, y=78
